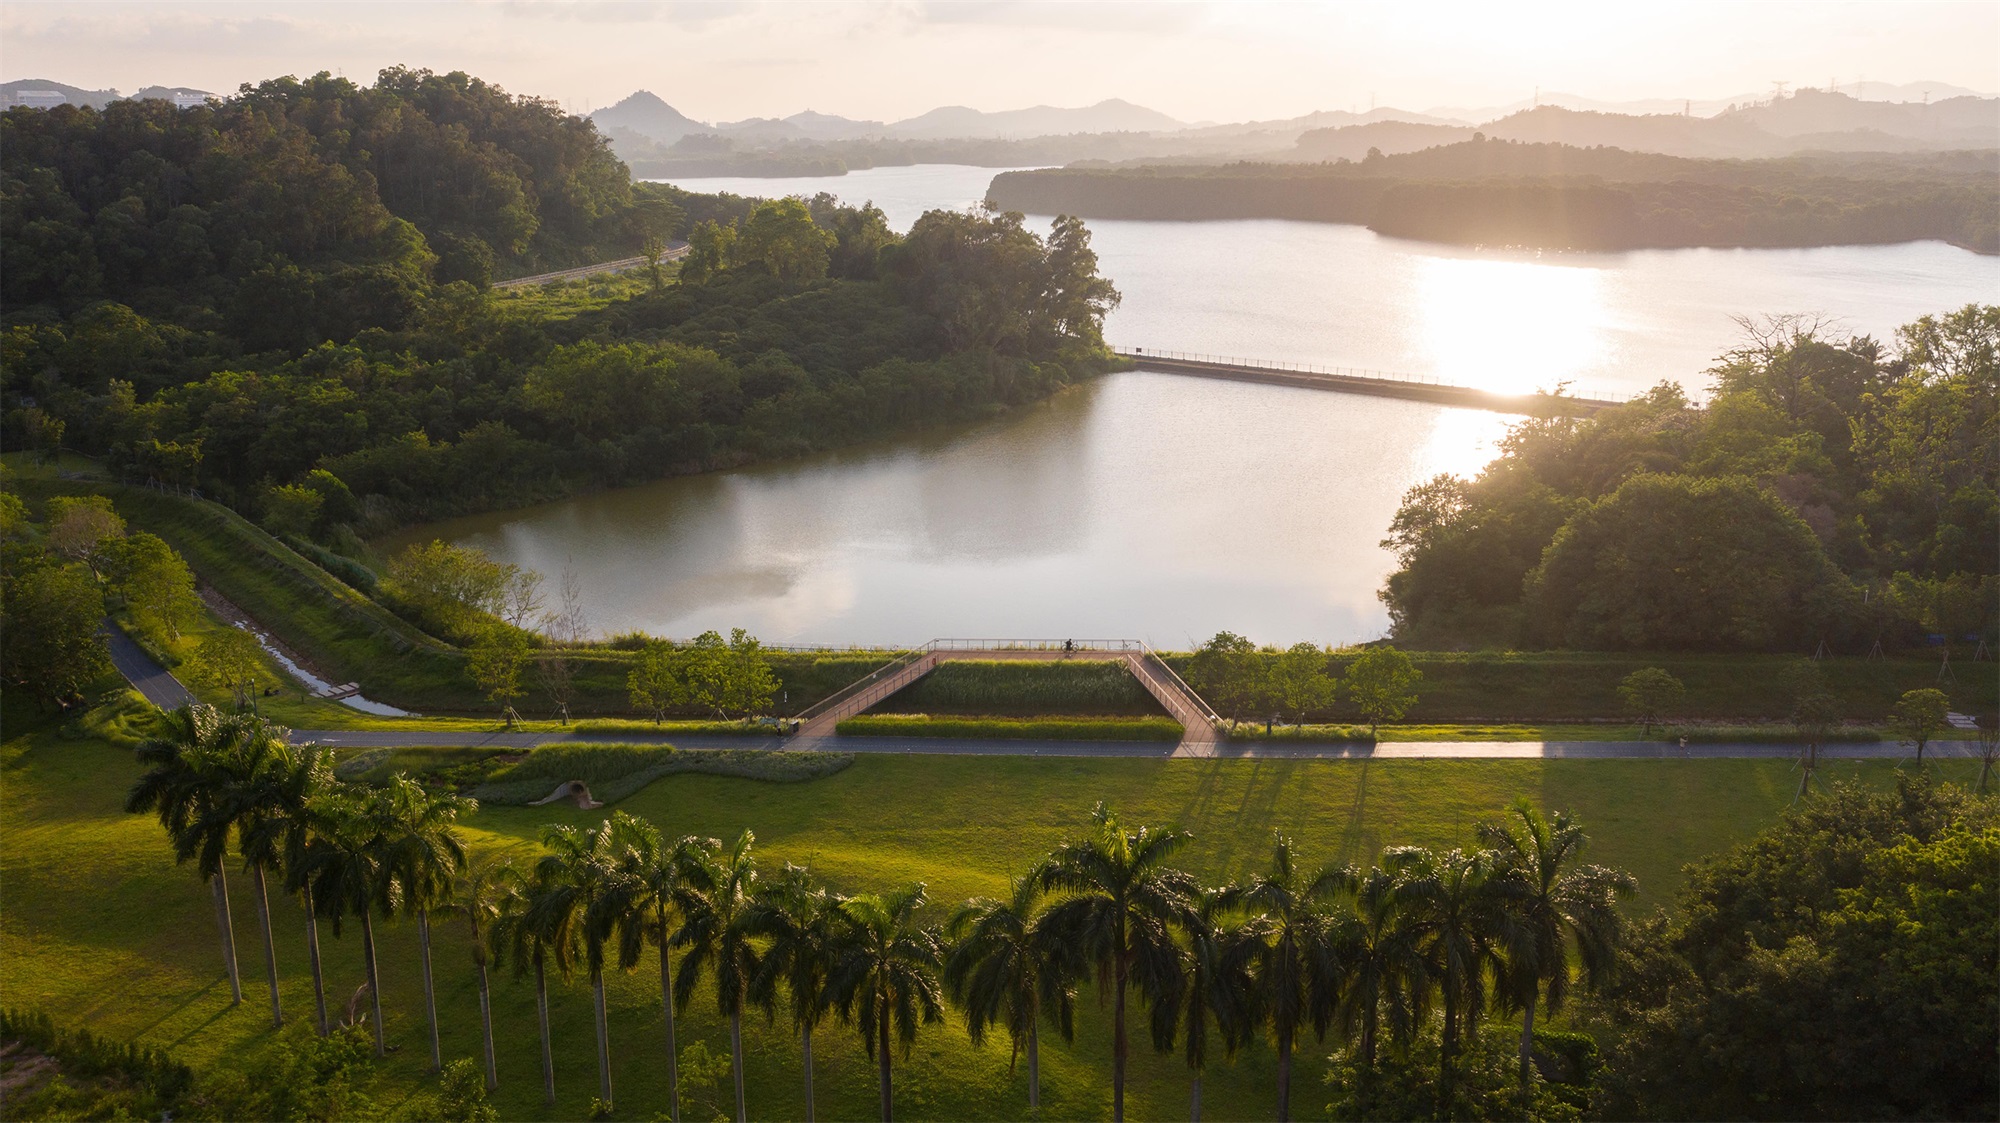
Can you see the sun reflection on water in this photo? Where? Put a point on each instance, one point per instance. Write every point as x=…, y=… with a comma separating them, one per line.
x=1510, y=326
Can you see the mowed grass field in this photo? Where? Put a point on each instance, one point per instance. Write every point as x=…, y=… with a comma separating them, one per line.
x=98, y=927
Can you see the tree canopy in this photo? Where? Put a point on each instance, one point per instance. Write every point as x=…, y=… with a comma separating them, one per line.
x=1830, y=490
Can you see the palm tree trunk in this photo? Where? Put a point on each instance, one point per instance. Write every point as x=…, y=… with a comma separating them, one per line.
x=603, y=1039
x=430, y=992
x=882, y=1052
x=374, y=977
x=1284, y=1078
x=1118, y=1038
x=542, y=1014
x=1447, y=1046
x=673, y=1060
x=1034, y=1066
x=270, y=944
x=1527, y=1039
x=736, y=1057
x=1367, y=1058
x=222, y=921
x=806, y=1046
x=312, y=953
x=1194, y=1100
x=486, y=1027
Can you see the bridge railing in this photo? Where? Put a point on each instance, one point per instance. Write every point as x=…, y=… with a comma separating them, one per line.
x=875, y=678
x=1207, y=711
x=965, y=644
x=1365, y=373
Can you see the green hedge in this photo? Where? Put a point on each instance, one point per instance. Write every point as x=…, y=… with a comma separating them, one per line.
x=1049, y=729
x=1550, y=687
x=1024, y=688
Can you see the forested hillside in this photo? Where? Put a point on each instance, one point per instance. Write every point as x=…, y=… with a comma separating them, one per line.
x=1494, y=192
x=284, y=302
x=1833, y=490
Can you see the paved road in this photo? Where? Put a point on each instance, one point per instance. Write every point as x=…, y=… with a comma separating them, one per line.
x=145, y=675
x=944, y=746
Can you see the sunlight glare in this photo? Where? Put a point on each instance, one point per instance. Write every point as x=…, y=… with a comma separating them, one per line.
x=1510, y=326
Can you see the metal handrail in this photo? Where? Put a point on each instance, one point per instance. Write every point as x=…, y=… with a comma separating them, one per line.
x=847, y=693
x=1207, y=711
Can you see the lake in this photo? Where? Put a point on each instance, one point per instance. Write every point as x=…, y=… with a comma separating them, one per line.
x=1165, y=508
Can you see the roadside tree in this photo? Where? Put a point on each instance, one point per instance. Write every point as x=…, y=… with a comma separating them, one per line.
x=495, y=663
x=51, y=619
x=229, y=659
x=1227, y=671
x=1382, y=684
x=1299, y=682
x=1651, y=694
x=156, y=584
x=655, y=681
x=80, y=528
x=1919, y=716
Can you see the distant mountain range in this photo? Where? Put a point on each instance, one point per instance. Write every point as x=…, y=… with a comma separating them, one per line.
x=1913, y=116
x=1808, y=121
x=647, y=115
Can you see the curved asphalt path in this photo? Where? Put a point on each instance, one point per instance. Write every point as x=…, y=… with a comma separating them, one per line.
x=166, y=692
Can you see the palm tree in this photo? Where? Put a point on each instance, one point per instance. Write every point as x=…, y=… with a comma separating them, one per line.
x=345, y=867
x=800, y=920
x=886, y=975
x=1384, y=969
x=1121, y=903
x=484, y=891
x=1562, y=906
x=180, y=788
x=572, y=878
x=524, y=934
x=640, y=902
x=715, y=899
x=1297, y=974
x=1220, y=993
x=272, y=799
x=1006, y=968
x=1459, y=905
x=425, y=855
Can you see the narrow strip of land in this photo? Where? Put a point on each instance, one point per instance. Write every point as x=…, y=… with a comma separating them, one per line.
x=1376, y=383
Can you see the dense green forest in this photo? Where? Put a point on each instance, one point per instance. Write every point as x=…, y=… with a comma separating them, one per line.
x=1495, y=192
x=283, y=301
x=1833, y=490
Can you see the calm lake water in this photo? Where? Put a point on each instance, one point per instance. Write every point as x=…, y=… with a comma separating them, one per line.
x=1165, y=508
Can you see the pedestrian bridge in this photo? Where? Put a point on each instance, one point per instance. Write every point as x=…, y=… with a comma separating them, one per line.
x=1381, y=384
x=1198, y=720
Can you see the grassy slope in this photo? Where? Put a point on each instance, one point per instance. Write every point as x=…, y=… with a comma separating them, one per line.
x=99, y=927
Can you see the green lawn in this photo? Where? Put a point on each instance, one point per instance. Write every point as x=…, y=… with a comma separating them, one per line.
x=99, y=927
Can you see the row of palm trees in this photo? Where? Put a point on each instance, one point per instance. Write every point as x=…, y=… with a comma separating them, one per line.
x=1371, y=956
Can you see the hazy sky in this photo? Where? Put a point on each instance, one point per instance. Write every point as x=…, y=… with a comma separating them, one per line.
x=724, y=60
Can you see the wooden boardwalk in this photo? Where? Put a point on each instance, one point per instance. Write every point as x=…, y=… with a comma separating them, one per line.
x=1379, y=384
x=1198, y=721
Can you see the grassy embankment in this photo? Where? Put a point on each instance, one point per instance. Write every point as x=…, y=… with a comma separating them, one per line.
x=1478, y=696
x=98, y=926
x=349, y=637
